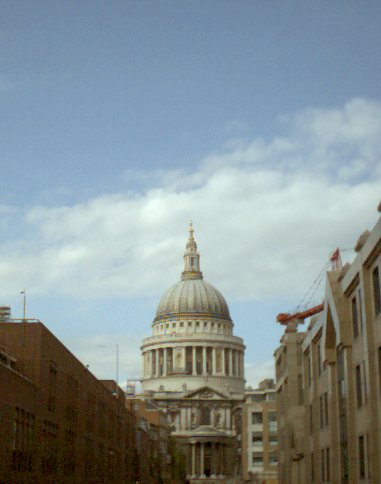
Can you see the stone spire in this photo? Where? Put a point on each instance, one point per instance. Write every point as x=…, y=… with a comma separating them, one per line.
x=191, y=258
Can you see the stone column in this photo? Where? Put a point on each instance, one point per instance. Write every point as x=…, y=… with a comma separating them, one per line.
x=230, y=362
x=214, y=367
x=213, y=463
x=157, y=363
x=204, y=360
x=165, y=362
x=194, y=369
x=202, y=461
x=223, y=361
x=193, y=444
x=218, y=460
x=222, y=463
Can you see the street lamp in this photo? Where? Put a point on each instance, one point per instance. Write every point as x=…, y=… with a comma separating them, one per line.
x=24, y=304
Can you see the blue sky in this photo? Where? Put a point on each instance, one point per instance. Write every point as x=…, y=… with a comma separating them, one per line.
x=120, y=121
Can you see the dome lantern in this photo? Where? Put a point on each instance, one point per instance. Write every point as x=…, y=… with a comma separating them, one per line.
x=191, y=258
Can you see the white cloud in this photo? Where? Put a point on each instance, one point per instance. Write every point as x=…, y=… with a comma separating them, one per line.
x=266, y=214
x=106, y=354
x=258, y=371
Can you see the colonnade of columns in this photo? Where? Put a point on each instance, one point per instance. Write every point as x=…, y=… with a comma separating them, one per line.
x=207, y=459
x=194, y=360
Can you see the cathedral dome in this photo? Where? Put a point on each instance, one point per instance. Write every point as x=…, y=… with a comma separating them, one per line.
x=192, y=296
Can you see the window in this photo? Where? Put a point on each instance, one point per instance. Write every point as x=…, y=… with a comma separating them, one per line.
x=257, y=460
x=308, y=361
x=257, y=440
x=49, y=447
x=322, y=462
x=72, y=395
x=325, y=465
x=52, y=387
x=319, y=359
x=312, y=468
x=364, y=381
x=273, y=460
x=69, y=453
x=360, y=310
x=367, y=457
x=181, y=325
x=259, y=397
x=273, y=440
x=256, y=418
x=355, y=323
x=173, y=325
x=376, y=292
x=326, y=411
x=361, y=457
x=358, y=386
x=272, y=416
x=205, y=416
x=272, y=421
x=311, y=420
x=379, y=367
x=23, y=440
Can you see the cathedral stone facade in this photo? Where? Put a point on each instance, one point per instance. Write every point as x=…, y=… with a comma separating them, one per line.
x=194, y=369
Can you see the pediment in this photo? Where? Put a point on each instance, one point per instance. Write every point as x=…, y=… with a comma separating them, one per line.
x=205, y=393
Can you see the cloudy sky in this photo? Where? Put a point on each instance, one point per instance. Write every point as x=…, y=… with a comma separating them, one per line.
x=122, y=121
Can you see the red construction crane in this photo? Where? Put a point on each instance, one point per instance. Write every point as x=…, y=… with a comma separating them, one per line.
x=335, y=259
x=284, y=318
x=336, y=265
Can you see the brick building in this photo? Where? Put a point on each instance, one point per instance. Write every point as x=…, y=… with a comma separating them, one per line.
x=58, y=422
x=329, y=379
x=154, y=438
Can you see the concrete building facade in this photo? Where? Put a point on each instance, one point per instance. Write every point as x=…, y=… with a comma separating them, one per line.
x=259, y=435
x=329, y=379
x=193, y=367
